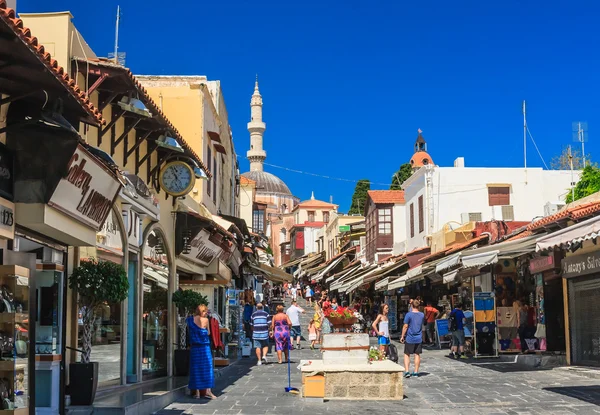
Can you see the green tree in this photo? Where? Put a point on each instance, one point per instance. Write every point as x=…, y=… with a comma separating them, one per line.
x=359, y=197
x=401, y=175
x=588, y=184
x=563, y=160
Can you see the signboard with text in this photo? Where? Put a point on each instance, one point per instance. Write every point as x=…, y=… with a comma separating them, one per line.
x=7, y=219
x=88, y=191
x=202, y=250
x=344, y=228
x=580, y=265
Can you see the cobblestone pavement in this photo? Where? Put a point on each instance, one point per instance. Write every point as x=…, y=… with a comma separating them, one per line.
x=446, y=387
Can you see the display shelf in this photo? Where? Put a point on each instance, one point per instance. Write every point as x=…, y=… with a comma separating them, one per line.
x=13, y=318
x=18, y=411
x=14, y=270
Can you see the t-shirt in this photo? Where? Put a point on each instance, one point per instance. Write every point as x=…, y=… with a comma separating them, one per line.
x=430, y=313
x=414, y=334
x=294, y=314
x=260, y=325
x=459, y=316
x=293, y=290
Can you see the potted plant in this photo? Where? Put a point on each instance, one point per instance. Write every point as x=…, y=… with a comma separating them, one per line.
x=341, y=318
x=186, y=302
x=96, y=283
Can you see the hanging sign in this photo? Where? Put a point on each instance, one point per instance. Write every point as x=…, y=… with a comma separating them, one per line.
x=133, y=226
x=88, y=191
x=110, y=234
x=579, y=265
x=202, y=250
x=7, y=219
x=543, y=263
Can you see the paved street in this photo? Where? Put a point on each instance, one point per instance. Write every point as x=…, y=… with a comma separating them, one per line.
x=446, y=387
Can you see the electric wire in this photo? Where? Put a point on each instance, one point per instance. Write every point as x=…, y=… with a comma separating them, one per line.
x=536, y=147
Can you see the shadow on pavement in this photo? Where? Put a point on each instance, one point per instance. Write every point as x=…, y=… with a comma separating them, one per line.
x=589, y=394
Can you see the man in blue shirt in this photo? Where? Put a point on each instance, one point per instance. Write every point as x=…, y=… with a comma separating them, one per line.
x=458, y=334
x=412, y=337
x=260, y=332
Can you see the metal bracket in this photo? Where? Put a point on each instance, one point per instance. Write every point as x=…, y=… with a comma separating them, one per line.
x=108, y=100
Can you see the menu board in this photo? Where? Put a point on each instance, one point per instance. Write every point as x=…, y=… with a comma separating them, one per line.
x=392, y=303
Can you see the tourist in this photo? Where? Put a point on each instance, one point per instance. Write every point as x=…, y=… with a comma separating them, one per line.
x=280, y=327
x=312, y=334
x=294, y=314
x=309, y=294
x=334, y=304
x=201, y=377
x=293, y=293
x=247, y=315
x=381, y=325
x=260, y=333
x=412, y=337
x=318, y=318
x=522, y=314
x=456, y=326
x=326, y=306
x=431, y=314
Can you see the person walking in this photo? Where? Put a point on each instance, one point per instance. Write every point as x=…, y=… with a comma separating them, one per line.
x=293, y=313
x=260, y=322
x=457, y=327
x=412, y=337
x=431, y=314
x=381, y=325
x=312, y=334
x=318, y=318
x=309, y=295
x=280, y=326
x=293, y=292
x=201, y=377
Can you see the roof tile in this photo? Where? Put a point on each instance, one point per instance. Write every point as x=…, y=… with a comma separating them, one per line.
x=387, y=196
x=7, y=15
x=570, y=213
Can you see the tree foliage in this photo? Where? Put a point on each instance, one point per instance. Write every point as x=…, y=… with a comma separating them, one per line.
x=96, y=283
x=563, y=162
x=401, y=176
x=359, y=197
x=588, y=184
x=188, y=300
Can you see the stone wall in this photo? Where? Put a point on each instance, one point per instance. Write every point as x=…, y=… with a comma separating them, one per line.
x=363, y=386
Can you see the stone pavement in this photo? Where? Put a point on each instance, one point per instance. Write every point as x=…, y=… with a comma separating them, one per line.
x=446, y=387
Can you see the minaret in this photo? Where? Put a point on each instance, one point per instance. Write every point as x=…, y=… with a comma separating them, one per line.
x=257, y=128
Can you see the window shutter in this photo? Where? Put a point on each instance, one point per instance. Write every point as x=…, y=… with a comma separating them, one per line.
x=499, y=196
x=508, y=213
x=421, y=218
x=412, y=220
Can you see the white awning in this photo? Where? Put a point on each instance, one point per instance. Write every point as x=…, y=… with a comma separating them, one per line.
x=153, y=275
x=451, y=276
x=480, y=260
x=382, y=284
x=358, y=280
x=413, y=272
x=583, y=231
x=328, y=268
x=355, y=284
x=397, y=283
x=447, y=263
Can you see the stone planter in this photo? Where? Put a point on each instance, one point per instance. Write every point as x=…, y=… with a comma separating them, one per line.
x=342, y=323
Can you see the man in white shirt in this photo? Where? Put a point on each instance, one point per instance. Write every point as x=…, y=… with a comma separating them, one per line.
x=294, y=291
x=294, y=314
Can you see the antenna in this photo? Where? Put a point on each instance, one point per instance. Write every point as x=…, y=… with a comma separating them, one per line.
x=524, y=135
x=570, y=155
x=119, y=57
x=580, y=135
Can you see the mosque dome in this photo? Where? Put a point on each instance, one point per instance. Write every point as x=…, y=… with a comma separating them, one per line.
x=268, y=183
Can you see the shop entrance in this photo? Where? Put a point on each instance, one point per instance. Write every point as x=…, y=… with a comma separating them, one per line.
x=585, y=320
x=554, y=310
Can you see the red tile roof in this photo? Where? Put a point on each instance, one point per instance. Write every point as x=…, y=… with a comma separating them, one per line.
x=570, y=213
x=454, y=248
x=315, y=204
x=9, y=17
x=387, y=196
x=152, y=107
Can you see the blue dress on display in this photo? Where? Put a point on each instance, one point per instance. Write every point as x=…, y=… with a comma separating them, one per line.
x=201, y=371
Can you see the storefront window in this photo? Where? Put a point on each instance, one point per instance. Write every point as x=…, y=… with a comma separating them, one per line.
x=155, y=310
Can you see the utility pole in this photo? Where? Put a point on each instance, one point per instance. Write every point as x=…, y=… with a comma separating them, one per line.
x=570, y=155
x=525, y=139
x=117, y=34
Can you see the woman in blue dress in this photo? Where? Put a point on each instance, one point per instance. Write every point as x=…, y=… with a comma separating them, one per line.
x=202, y=377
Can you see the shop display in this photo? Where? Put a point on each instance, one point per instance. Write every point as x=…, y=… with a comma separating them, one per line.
x=14, y=338
x=484, y=315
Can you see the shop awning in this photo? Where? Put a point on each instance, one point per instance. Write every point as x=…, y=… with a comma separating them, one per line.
x=272, y=273
x=329, y=267
x=583, y=231
x=343, y=274
x=159, y=279
x=342, y=284
x=397, y=283
x=292, y=262
x=448, y=262
x=382, y=284
x=360, y=280
x=450, y=277
x=189, y=267
x=413, y=272
x=480, y=260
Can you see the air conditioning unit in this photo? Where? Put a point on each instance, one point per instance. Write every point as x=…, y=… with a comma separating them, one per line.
x=508, y=213
x=551, y=208
x=470, y=217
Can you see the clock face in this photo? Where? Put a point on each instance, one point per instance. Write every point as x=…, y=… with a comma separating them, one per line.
x=177, y=178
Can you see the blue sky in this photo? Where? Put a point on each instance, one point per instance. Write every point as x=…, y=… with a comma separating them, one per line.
x=346, y=84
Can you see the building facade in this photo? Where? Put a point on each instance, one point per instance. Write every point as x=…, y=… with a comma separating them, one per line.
x=385, y=224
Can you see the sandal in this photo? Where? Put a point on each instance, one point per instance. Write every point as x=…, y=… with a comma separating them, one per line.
x=211, y=396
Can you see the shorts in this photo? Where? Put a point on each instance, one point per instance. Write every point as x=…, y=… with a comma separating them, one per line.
x=383, y=341
x=260, y=343
x=413, y=348
x=458, y=338
x=296, y=331
x=312, y=337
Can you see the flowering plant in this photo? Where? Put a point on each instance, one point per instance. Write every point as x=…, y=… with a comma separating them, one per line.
x=375, y=354
x=340, y=312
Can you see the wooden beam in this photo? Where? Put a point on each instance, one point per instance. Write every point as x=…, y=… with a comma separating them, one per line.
x=108, y=100
x=128, y=152
x=139, y=161
x=116, y=115
x=97, y=83
x=129, y=125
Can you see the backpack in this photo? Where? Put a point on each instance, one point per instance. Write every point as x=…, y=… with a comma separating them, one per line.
x=452, y=324
x=393, y=353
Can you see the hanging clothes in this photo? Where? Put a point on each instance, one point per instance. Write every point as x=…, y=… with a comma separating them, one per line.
x=215, y=334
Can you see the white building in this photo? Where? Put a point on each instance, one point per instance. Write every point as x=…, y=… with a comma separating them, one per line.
x=436, y=196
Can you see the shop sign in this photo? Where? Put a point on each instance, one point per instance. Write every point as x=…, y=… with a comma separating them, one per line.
x=6, y=173
x=7, y=219
x=133, y=226
x=579, y=265
x=540, y=264
x=88, y=190
x=202, y=251
x=344, y=228
x=110, y=234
